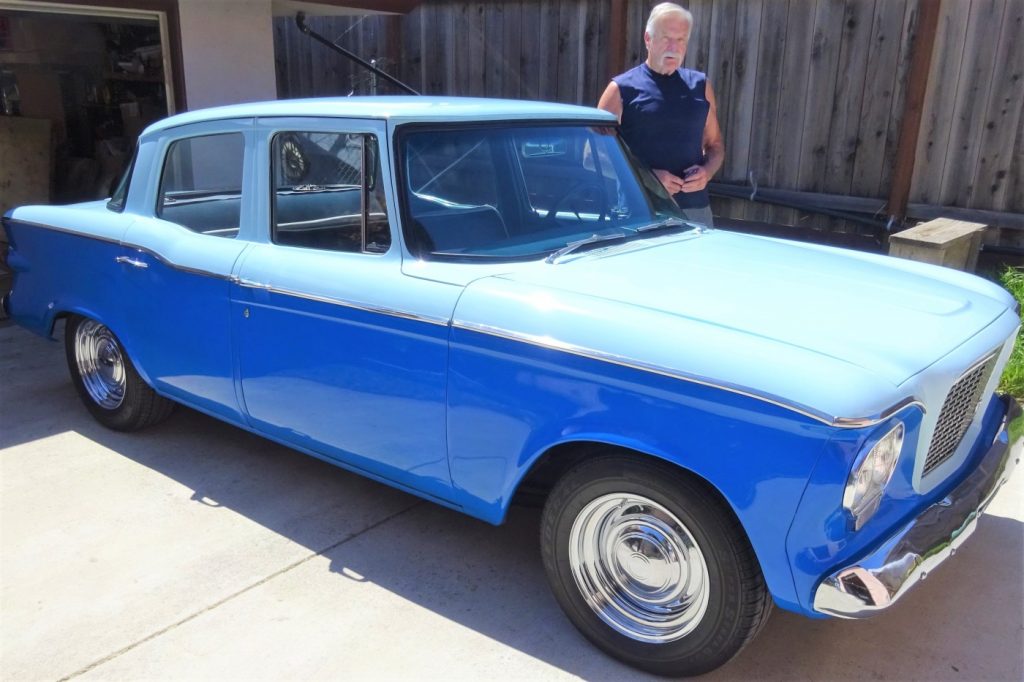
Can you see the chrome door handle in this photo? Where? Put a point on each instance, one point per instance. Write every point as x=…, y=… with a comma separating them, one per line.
x=131, y=261
x=248, y=283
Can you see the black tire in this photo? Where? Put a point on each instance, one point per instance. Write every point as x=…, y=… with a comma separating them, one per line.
x=736, y=601
x=106, y=379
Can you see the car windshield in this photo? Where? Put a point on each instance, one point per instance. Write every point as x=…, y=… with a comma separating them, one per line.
x=525, y=192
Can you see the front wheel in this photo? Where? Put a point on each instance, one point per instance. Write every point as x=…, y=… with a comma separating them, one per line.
x=651, y=566
x=106, y=379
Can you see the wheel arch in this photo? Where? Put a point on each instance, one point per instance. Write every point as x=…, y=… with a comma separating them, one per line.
x=544, y=470
x=75, y=310
x=549, y=465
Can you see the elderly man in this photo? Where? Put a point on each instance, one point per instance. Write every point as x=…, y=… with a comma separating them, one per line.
x=668, y=114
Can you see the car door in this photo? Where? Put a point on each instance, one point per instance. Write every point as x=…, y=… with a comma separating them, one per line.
x=179, y=257
x=339, y=353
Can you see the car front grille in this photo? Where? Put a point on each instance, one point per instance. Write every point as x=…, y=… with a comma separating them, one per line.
x=958, y=412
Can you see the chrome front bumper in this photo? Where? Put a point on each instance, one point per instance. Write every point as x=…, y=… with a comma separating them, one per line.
x=909, y=555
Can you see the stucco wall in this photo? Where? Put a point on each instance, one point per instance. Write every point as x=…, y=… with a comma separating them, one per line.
x=228, y=51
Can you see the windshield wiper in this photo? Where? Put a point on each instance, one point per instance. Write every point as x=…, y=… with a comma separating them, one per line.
x=667, y=223
x=592, y=239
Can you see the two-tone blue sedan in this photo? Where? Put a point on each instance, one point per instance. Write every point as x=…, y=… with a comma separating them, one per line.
x=488, y=301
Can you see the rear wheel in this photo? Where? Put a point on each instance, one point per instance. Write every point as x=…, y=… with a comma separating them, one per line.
x=651, y=566
x=106, y=379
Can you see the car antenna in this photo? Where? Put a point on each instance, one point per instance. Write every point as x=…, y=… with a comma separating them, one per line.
x=300, y=21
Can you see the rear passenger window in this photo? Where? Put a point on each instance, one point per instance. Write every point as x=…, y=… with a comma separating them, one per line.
x=327, y=192
x=201, y=184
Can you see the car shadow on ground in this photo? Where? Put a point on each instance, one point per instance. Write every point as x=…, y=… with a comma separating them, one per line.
x=964, y=622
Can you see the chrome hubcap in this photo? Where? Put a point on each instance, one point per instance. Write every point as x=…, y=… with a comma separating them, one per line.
x=639, y=568
x=100, y=364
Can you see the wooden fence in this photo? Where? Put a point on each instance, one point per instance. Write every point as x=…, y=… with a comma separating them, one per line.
x=811, y=92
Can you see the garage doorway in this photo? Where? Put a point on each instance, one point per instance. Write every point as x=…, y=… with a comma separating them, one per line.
x=77, y=86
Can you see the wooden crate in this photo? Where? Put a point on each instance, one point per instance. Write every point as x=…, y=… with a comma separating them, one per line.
x=943, y=241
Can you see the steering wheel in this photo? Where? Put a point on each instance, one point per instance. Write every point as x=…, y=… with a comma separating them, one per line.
x=294, y=163
x=583, y=190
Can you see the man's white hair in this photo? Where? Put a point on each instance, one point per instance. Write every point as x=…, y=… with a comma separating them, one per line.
x=666, y=9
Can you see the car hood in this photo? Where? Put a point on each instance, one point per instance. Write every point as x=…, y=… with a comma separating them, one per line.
x=739, y=309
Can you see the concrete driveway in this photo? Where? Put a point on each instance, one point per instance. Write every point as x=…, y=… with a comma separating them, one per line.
x=194, y=550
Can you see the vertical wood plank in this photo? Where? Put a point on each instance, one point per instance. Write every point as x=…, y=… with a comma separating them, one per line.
x=566, y=45
x=742, y=90
x=434, y=49
x=282, y=54
x=457, y=17
x=974, y=82
x=844, y=139
x=513, y=49
x=279, y=76
x=899, y=98
x=1002, y=117
x=468, y=36
x=821, y=89
x=594, y=44
x=767, y=90
x=937, y=115
x=580, y=41
x=618, y=25
x=530, y=51
x=879, y=88
x=700, y=35
x=411, y=55
x=495, y=55
x=792, y=100
x=449, y=24
x=720, y=68
x=844, y=129
x=323, y=73
x=636, y=18
x=548, y=50
x=1014, y=200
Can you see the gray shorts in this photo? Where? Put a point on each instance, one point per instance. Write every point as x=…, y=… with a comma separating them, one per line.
x=699, y=215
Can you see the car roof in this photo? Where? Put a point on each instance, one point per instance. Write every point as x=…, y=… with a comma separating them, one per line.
x=404, y=109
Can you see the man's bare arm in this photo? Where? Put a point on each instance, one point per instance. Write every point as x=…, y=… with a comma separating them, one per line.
x=714, y=145
x=611, y=100
x=698, y=177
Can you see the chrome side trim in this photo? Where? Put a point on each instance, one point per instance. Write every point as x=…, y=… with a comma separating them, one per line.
x=879, y=579
x=134, y=247
x=65, y=230
x=810, y=412
x=858, y=422
x=438, y=321
x=175, y=266
x=391, y=312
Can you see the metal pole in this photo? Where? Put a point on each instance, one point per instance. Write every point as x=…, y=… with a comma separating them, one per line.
x=300, y=21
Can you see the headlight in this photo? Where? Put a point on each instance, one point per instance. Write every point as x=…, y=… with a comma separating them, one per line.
x=870, y=475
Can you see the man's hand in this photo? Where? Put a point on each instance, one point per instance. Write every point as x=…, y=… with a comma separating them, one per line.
x=673, y=183
x=695, y=178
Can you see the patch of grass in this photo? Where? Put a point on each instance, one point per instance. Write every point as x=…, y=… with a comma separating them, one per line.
x=1012, y=381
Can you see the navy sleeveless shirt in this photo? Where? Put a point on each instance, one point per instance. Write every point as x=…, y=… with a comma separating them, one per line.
x=663, y=119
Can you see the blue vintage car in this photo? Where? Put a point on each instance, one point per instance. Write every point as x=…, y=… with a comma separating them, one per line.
x=483, y=302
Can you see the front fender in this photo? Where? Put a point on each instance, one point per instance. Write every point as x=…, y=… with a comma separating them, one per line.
x=510, y=402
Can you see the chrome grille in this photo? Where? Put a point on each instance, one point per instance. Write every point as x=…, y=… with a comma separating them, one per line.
x=958, y=412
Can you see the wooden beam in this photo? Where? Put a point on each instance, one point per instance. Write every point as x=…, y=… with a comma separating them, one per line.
x=393, y=26
x=869, y=206
x=616, y=39
x=910, y=123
